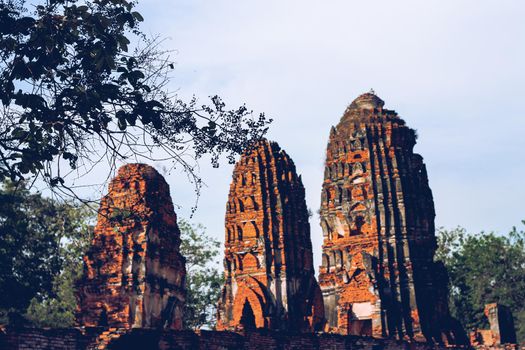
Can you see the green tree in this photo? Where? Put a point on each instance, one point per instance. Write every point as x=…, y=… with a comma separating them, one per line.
x=40, y=248
x=204, y=277
x=58, y=309
x=484, y=268
x=75, y=93
x=42, y=242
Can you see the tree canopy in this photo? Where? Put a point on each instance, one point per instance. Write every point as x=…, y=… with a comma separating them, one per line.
x=41, y=243
x=484, y=268
x=81, y=84
x=204, y=278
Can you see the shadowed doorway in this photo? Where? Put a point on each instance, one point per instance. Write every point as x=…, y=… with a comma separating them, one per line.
x=248, y=317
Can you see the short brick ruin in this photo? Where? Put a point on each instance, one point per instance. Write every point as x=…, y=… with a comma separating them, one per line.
x=134, y=274
x=378, y=276
x=501, y=330
x=268, y=260
x=151, y=339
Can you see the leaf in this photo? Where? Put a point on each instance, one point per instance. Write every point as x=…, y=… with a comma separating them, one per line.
x=122, y=123
x=138, y=16
x=131, y=118
x=123, y=42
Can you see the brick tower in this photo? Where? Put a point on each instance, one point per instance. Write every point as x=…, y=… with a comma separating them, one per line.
x=134, y=274
x=377, y=215
x=268, y=265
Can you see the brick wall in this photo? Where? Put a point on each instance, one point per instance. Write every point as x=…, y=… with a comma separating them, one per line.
x=44, y=339
x=119, y=339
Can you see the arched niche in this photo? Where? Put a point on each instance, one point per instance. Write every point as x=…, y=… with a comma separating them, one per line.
x=358, y=224
x=358, y=168
x=247, y=320
x=334, y=171
x=250, y=204
x=250, y=262
x=246, y=295
x=338, y=259
x=250, y=231
x=326, y=262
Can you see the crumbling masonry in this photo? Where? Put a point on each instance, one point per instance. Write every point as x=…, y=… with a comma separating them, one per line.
x=268, y=261
x=134, y=274
x=378, y=276
x=501, y=329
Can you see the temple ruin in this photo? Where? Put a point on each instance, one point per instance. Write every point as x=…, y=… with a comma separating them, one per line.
x=134, y=275
x=378, y=276
x=268, y=260
x=501, y=327
x=378, y=280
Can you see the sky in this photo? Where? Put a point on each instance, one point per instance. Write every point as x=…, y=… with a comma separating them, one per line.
x=453, y=70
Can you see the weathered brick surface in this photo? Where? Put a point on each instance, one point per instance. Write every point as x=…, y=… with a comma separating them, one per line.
x=501, y=327
x=134, y=274
x=268, y=260
x=377, y=214
x=46, y=339
x=151, y=339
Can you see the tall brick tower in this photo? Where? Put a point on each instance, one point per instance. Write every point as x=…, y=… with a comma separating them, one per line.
x=268, y=262
x=377, y=215
x=134, y=274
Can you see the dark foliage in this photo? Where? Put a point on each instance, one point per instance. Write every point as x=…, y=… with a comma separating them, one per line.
x=204, y=278
x=484, y=268
x=41, y=244
x=74, y=94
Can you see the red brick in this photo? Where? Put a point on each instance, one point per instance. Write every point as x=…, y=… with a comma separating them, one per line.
x=377, y=214
x=268, y=251
x=134, y=274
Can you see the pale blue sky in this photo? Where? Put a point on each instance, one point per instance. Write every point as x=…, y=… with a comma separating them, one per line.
x=454, y=70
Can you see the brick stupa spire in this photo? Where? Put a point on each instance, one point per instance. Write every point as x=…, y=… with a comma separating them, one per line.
x=269, y=272
x=378, y=276
x=134, y=274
